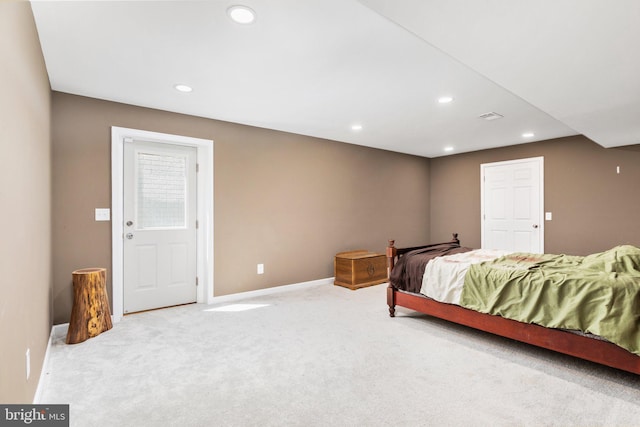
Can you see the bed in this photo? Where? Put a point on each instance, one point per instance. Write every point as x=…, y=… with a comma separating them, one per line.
x=406, y=271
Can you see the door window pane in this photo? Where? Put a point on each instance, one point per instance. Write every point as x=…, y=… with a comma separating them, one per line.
x=161, y=191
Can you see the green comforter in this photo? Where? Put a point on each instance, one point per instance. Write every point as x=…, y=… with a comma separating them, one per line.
x=598, y=294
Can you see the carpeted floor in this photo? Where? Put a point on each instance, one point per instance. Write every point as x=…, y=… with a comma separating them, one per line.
x=325, y=356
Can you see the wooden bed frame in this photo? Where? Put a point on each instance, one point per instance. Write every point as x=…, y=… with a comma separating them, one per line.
x=594, y=350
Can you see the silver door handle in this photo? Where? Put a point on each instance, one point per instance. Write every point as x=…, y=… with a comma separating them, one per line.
x=129, y=223
x=129, y=236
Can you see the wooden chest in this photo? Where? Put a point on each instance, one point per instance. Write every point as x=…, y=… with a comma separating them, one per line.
x=357, y=269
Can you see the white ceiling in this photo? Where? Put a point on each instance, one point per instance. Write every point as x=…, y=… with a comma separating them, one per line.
x=316, y=67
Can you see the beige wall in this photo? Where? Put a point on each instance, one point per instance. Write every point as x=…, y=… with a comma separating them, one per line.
x=25, y=203
x=287, y=201
x=593, y=207
x=284, y=200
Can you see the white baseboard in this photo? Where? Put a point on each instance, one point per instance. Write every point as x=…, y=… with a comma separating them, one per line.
x=59, y=331
x=269, y=291
x=44, y=370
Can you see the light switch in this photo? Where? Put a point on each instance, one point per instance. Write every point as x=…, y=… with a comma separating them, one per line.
x=103, y=214
x=547, y=216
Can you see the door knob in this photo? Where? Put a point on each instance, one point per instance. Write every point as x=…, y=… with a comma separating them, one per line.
x=129, y=223
x=129, y=236
x=535, y=225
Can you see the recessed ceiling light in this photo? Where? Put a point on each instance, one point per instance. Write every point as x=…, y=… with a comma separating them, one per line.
x=445, y=99
x=448, y=149
x=491, y=115
x=528, y=135
x=183, y=88
x=356, y=127
x=241, y=14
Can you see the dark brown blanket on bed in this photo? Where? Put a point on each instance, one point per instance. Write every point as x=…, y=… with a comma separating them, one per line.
x=408, y=271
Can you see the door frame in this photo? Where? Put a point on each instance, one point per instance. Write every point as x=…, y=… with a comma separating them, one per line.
x=483, y=166
x=204, y=232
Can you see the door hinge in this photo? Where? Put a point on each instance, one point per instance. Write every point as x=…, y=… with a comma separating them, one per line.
x=197, y=224
x=197, y=167
x=196, y=280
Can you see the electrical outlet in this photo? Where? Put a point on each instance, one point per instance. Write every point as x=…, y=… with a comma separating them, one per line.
x=260, y=268
x=28, y=361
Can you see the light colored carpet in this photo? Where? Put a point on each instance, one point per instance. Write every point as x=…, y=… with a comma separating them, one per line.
x=325, y=356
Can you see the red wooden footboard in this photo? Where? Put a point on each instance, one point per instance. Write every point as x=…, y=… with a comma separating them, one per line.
x=594, y=350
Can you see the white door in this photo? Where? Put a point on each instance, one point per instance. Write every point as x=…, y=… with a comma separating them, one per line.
x=512, y=205
x=159, y=225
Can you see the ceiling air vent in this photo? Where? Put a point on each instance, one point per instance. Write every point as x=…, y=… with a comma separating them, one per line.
x=490, y=116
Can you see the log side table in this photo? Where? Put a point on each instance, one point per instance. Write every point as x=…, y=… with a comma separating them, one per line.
x=90, y=315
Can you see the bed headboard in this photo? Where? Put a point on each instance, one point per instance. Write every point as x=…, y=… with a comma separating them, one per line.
x=394, y=253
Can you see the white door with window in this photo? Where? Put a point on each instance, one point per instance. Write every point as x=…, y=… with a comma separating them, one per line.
x=512, y=202
x=159, y=215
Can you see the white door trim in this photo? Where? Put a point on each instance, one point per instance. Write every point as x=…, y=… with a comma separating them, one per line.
x=204, y=246
x=540, y=161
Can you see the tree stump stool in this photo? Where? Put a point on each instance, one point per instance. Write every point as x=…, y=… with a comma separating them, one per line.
x=90, y=315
